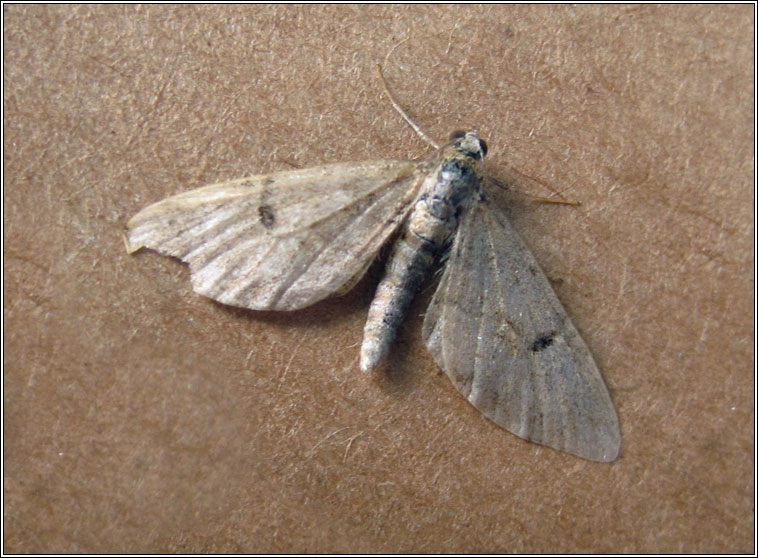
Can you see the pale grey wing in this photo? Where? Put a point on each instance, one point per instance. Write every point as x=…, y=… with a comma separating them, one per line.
x=280, y=241
x=496, y=327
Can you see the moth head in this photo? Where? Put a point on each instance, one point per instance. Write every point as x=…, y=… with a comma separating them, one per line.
x=469, y=143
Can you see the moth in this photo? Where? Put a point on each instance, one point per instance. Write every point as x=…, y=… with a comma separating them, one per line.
x=287, y=240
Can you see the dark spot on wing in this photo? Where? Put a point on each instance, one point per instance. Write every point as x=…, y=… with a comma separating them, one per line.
x=266, y=215
x=542, y=342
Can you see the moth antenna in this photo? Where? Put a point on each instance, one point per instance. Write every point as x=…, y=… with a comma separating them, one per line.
x=402, y=113
x=541, y=199
x=553, y=200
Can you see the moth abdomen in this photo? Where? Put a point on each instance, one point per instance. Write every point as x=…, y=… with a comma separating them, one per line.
x=406, y=270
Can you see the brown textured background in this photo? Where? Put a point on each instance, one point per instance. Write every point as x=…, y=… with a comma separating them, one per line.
x=141, y=417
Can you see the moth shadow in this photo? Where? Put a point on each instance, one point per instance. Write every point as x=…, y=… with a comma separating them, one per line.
x=328, y=312
x=396, y=374
x=400, y=373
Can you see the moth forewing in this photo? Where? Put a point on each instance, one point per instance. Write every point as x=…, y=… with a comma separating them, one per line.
x=281, y=241
x=497, y=329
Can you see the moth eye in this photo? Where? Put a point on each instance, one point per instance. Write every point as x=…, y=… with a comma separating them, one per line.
x=458, y=134
x=483, y=146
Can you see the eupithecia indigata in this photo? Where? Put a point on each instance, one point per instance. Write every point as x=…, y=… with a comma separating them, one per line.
x=286, y=240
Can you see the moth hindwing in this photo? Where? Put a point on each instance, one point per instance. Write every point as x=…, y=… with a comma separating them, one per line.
x=284, y=241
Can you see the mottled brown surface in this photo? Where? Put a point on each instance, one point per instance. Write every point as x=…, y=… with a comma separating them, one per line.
x=141, y=417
